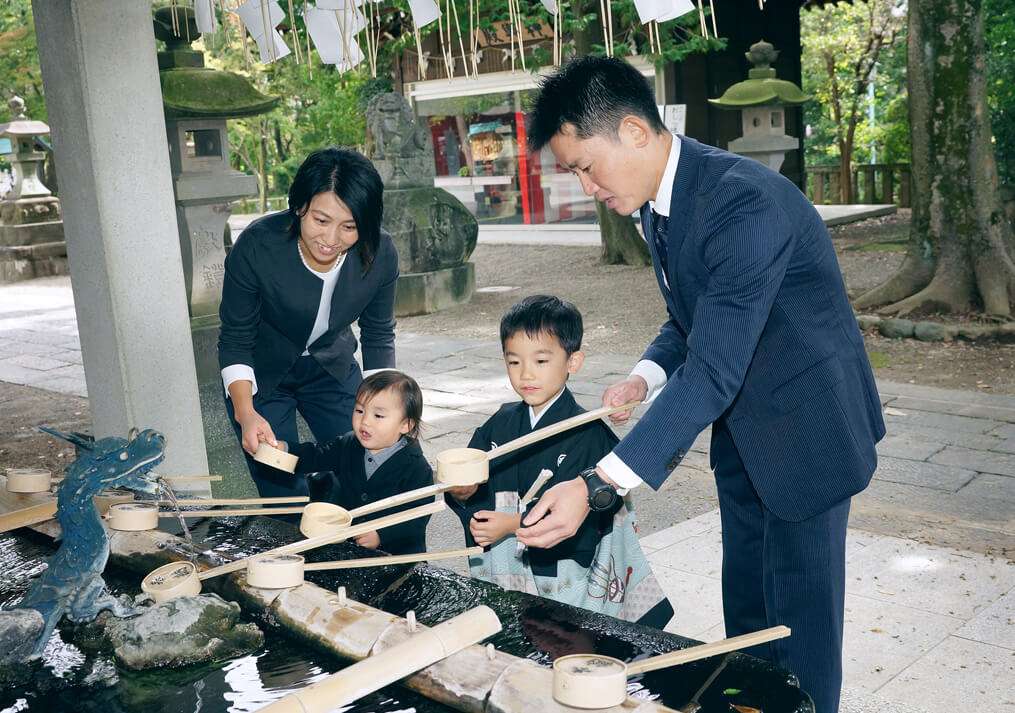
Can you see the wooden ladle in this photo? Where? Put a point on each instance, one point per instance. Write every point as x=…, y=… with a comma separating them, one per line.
x=286, y=570
x=594, y=681
x=469, y=466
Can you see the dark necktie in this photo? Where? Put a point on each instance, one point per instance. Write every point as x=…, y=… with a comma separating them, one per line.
x=660, y=232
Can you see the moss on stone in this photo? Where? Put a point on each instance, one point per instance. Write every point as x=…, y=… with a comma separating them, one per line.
x=200, y=92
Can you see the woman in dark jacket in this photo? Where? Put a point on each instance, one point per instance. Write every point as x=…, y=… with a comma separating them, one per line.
x=294, y=283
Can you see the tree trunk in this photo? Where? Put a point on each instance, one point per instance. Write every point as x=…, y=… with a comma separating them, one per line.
x=958, y=258
x=262, y=169
x=845, y=173
x=622, y=243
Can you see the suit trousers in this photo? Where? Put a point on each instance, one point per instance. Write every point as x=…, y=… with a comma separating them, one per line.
x=780, y=572
x=326, y=405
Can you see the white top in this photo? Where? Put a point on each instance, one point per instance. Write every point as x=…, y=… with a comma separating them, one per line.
x=654, y=375
x=244, y=372
x=534, y=417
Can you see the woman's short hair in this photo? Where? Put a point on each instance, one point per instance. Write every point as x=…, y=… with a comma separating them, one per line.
x=594, y=94
x=354, y=180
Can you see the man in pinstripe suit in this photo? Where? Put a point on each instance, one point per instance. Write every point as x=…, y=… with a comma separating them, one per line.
x=760, y=343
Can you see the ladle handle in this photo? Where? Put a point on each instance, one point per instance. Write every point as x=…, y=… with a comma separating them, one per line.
x=321, y=540
x=554, y=429
x=427, y=491
x=393, y=559
x=213, y=502
x=231, y=512
x=704, y=651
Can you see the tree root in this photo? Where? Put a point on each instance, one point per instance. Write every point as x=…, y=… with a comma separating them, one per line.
x=913, y=276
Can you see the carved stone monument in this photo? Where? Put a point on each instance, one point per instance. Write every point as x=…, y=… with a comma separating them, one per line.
x=31, y=225
x=434, y=232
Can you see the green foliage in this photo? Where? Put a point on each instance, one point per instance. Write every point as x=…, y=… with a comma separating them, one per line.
x=19, y=60
x=999, y=25
x=840, y=41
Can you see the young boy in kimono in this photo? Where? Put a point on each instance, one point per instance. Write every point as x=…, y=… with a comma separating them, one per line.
x=601, y=567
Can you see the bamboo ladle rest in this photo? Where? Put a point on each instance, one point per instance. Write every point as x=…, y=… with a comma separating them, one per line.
x=287, y=570
x=469, y=466
x=181, y=579
x=592, y=681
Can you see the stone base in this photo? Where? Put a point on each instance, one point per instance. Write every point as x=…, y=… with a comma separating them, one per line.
x=24, y=262
x=13, y=235
x=426, y=292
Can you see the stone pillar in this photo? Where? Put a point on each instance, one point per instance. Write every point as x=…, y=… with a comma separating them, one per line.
x=109, y=134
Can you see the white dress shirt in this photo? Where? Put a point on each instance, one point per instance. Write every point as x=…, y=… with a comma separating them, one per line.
x=534, y=417
x=244, y=372
x=616, y=469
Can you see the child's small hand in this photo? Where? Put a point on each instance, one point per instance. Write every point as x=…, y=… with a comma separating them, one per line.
x=463, y=492
x=489, y=526
x=371, y=540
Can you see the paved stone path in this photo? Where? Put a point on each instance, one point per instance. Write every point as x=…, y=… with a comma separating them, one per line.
x=931, y=584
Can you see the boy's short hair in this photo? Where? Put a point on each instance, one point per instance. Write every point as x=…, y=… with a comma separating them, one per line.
x=544, y=314
x=594, y=94
x=404, y=385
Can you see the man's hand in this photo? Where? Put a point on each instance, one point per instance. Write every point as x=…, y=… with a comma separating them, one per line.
x=255, y=430
x=462, y=493
x=633, y=388
x=490, y=526
x=557, y=515
x=371, y=540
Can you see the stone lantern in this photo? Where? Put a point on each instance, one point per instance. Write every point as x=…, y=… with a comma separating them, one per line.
x=31, y=227
x=197, y=102
x=761, y=100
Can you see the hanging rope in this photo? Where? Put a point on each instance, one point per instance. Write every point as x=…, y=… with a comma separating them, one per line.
x=419, y=51
x=715, y=26
x=472, y=37
x=444, y=49
x=521, y=33
x=701, y=19
x=606, y=32
x=268, y=30
x=461, y=44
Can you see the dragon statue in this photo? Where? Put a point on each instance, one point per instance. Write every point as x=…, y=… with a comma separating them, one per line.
x=72, y=585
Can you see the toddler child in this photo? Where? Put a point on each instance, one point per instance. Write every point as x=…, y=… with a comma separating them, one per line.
x=380, y=457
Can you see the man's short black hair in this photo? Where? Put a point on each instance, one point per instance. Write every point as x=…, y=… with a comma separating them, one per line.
x=544, y=314
x=594, y=94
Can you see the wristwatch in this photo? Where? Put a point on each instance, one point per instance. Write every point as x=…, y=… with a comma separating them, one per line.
x=602, y=495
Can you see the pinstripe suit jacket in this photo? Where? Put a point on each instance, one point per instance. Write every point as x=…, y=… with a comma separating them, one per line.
x=759, y=333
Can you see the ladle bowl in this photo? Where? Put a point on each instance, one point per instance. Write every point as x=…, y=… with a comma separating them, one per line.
x=275, y=458
x=176, y=579
x=29, y=480
x=321, y=518
x=133, y=516
x=590, y=681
